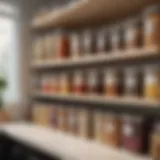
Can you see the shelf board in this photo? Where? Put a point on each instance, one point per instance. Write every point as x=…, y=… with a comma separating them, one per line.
x=63, y=145
x=100, y=100
x=92, y=12
x=100, y=58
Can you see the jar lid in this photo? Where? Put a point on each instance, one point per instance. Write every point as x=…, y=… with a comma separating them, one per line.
x=152, y=9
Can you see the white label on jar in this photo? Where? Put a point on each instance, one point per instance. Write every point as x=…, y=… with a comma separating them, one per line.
x=128, y=130
x=109, y=128
x=93, y=79
x=149, y=27
x=110, y=80
x=151, y=79
x=131, y=81
x=78, y=80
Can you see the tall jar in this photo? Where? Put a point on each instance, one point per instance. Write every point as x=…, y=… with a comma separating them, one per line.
x=133, y=34
x=79, y=82
x=75, y=45
x=133, y=82
x=85, y=121
x=152, y=26
x=98, y=125
x=112, y=82
x=63, y=45
x=112, y=130
x=94, y=82
x=152, y=82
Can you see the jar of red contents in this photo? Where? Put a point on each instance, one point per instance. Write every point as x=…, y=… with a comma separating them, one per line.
x=80, y=86
x=112, y=81
x=133, y=34
x=89, y=42
x=94, y=83
x=103, y=41
x=117, y=42
x=75, y=48
x=73, y=121
x=135, y=133
x=63, y=47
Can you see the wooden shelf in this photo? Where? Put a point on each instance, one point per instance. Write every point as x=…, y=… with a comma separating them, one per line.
x=100, y=100
x=63, y=145
x=92, y=12
x=100, y=58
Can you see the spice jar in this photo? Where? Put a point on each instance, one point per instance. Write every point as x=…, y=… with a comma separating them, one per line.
x=62, y=117
x=53, y=117
x=111, y=130
x=55, y=86
x=73, y=121
x=85, y=121
x=63, y=47
x=112, y=81
x=133, y=82
x=135, y=133
x=152, y=82
x=116, y=38
x=103, y=41
x=65, y=83
x=75, y=45
x=98, y=125
x=80, y=85
x=133, y=34
x=89, y=42
x=95, y=82
x=155, y=141
x=152, y=26
x=46, y=85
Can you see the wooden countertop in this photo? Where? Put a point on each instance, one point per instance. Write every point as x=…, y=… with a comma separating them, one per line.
x=65, y=146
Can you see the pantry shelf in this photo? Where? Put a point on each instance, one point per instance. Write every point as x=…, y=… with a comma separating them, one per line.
x=145, y=106
x=51, y=141
x=100, y=59
x=91, y=12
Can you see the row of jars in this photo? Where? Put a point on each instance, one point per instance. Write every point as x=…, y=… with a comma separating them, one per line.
x=134, y=33
x=139, y=82
x=128, y=131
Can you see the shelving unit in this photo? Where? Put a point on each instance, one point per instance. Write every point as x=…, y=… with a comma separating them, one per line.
x=51, y=142
x=101, y=58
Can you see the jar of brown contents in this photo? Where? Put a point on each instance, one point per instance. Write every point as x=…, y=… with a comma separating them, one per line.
x=112, y=130
x=152, y=26
x=133, y=34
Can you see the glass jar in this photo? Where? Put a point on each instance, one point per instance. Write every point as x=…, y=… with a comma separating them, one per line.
x=89, y=42
x=152, y=26
x=152, y=82
x=94, y=84
x=53, y=116
x=133, y=34
x=85, y=121
x=98, y=125
x=111, y=130
x=73, y=121
x=75, y=45
x=80, y=85
x=116, y=38
x=65, y=83
x=112, y=82
x=103, y=41
x=135, y=133
x=133, y=82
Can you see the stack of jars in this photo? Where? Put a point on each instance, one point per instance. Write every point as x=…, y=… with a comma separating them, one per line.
x=132, y=132
x=134, y=33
